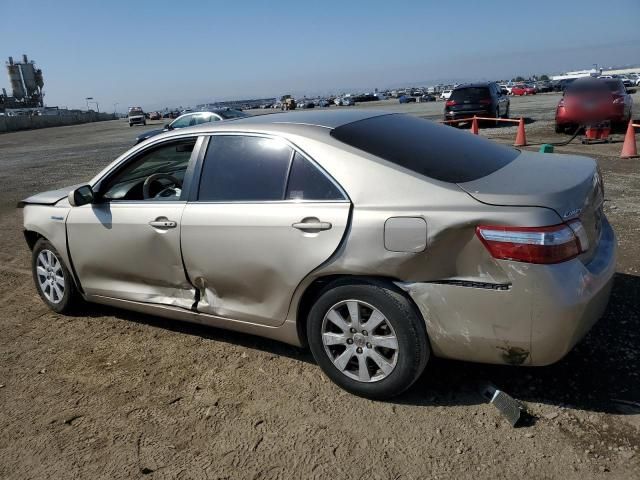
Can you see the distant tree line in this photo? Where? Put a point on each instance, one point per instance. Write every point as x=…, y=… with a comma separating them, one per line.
x=531, y=78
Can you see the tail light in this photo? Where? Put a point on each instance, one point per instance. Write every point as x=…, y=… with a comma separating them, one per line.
x=485, y=101
x=544, y=245
x=618, y=99
x=561, y=102
x=450, y=103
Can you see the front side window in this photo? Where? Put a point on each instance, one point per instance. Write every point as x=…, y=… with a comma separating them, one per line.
x=155, y=174
x=244, y=168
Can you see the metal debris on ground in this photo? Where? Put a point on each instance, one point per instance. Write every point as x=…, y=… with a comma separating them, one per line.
x=508, y=406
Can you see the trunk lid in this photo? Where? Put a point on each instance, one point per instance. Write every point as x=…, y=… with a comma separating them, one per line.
x=568, y=184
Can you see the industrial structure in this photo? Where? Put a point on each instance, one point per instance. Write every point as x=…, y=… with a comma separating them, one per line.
x=26, y=83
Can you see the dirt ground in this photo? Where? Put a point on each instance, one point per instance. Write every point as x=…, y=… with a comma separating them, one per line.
x=113, y=394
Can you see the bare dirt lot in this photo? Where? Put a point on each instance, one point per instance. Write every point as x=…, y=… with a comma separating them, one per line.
x=112, y=394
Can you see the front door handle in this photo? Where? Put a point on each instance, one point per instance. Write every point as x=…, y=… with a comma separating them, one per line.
x=163, y=223
x=312, y=225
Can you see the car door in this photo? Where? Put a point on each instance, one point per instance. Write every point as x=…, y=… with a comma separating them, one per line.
x=127, y=246
x=263, y=217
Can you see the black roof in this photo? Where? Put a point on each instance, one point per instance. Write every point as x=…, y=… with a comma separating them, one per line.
x=321, y=118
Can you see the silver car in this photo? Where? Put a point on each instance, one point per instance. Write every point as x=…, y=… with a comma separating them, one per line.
x=376, y=239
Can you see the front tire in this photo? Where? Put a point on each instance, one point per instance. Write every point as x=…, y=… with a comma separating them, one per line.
x=368, y=338
x=52, y=278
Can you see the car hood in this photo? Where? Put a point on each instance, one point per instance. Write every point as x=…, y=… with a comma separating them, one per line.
x=559, y=182
x=48, y=198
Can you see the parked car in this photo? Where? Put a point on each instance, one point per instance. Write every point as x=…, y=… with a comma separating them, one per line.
x=505, y=88
x=593, y=100
x=269, y=225
x=348, y=102
x=191, y=119
x=523, y=89
x=481, y=99
x=543, y=86
x=445, y=94
x=155, y=116
x=427, y=98
x=305, y=103
x=407, y=99
x=323, y=102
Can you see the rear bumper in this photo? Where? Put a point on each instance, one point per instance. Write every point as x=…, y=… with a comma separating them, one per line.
x=567, y=116
x=535, y=321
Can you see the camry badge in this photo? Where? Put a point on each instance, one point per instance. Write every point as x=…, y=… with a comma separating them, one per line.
x=572, y=213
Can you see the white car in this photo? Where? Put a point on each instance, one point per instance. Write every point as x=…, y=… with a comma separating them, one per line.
x=506, y=87
x=446, y=94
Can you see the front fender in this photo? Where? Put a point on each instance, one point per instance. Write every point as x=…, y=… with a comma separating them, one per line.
x=49, y=221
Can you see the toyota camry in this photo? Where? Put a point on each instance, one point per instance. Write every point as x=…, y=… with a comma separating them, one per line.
x=375, y=239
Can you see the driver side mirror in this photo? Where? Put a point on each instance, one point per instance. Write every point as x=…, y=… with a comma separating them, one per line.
x=168, y=127
x=81, y=196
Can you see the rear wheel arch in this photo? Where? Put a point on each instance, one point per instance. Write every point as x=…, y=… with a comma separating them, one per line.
x=322, y=284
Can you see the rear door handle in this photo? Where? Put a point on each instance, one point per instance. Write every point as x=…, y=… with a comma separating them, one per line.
x=312, y=226
x=163, y=223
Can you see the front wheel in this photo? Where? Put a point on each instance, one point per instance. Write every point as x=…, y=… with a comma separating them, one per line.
x=368, y=338
x=52, y=278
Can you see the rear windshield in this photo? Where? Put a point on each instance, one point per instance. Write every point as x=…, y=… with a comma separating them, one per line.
x=435, y=151
x=470, y=93
x=587, y=86
x=232, y=114
x=615, y=85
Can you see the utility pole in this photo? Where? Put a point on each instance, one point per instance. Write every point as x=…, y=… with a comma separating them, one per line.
x=87, y=99
x=115, y=107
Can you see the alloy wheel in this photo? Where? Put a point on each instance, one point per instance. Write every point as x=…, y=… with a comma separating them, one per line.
x=50, y=276
x=360, y=341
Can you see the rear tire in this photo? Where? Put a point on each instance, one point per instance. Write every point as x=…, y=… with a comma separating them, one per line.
x=377, y=353
x=52, y=279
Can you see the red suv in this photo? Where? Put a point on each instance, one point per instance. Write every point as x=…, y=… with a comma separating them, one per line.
x=594, y=100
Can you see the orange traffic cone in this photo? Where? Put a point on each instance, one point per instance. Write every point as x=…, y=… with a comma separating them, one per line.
x=521, y=136
x=629, y=149
x=474, y=126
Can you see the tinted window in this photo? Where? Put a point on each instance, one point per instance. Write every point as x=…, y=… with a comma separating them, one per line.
x=615, y=85
x=436, y=151
x=238, y=168
x=587, y=85
x=470, y=93
x=306, y=182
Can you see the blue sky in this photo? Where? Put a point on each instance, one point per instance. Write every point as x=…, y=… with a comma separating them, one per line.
x=157, y=53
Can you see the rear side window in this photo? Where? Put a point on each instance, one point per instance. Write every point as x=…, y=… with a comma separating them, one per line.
x=435, y=151
x=244, y=168
x=306, y=182
x=470, y=93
